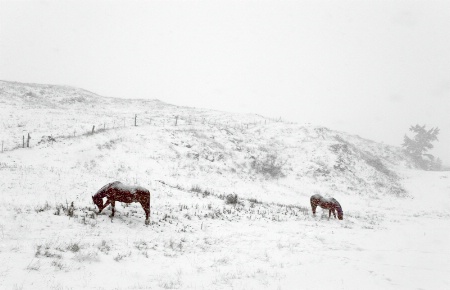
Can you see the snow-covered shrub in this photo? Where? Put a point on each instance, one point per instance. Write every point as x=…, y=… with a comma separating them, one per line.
x=42, y=208
x=170, y=282
x=87, y=256
x=206, y=193
x=58, y=209
x=120, y=256
x=46, y=250
x=68, y=210
x=253, y=200
x=34, y=266
x=231, y=199
x=196, y=188
x=104, y=247
x=73, y=247
x=57, y=264
x=378, y=165
x=270, y=165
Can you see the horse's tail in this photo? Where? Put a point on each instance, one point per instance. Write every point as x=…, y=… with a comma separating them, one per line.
x=149, y=197
x=147, y=192
x=146, y=197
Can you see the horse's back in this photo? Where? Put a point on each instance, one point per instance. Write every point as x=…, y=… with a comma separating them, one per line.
x=323, y=202
x=128, y=193
x=131, y=189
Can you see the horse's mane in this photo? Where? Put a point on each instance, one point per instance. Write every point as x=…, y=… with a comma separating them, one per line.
x=335, y=201
x=338, y=205
x=317, y=196
x=104, y=188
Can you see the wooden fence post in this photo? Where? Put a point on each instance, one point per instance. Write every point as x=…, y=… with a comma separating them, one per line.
x=176, y=120
x=93, y=128
x=28, y=140
x=23, y=141
x=135, y=118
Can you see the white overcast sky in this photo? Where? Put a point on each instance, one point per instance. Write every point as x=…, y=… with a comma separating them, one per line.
x=371, y=68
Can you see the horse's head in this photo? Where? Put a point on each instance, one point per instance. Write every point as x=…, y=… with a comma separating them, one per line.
x=98, y=201
x=340, y=213
x=335, y=204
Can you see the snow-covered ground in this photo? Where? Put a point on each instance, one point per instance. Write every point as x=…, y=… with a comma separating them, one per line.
x=396, y=219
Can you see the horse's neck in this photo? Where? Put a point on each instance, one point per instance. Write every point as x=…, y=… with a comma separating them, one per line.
x=101, y=193
x=334, y=201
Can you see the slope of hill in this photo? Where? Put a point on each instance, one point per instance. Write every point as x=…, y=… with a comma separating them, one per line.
x=269, y=239
x=209, y=143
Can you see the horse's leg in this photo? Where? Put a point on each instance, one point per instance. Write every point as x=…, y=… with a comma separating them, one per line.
x=113, y=205
x=329, y=214
x=334, y=212
x=146, y=207
x=313, y=207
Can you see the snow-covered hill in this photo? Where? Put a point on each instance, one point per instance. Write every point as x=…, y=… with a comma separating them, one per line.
x=203, y=145
x=191, y=160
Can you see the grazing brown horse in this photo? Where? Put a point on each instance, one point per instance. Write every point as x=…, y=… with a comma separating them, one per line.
x=117, y=191
x=327, y=203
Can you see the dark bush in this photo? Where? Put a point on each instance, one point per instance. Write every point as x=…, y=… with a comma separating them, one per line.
x=231, y=199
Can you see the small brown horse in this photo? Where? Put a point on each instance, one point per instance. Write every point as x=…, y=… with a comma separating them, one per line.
x=117, y=191
x=326, y=203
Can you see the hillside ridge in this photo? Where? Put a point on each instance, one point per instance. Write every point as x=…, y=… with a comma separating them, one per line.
x=213, y=144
